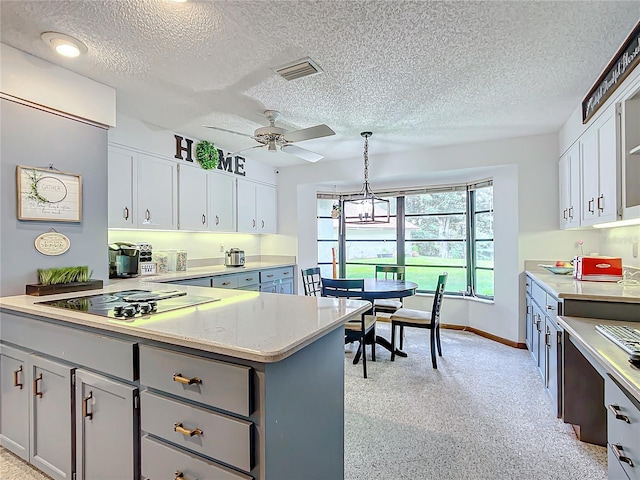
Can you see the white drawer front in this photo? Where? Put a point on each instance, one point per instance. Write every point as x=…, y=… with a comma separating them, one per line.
x=160, y=461
x=222, y=385
x=225, y=281
x=221, y=437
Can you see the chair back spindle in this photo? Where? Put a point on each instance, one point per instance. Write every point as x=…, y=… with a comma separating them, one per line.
x=390, y=272
x=311, y=281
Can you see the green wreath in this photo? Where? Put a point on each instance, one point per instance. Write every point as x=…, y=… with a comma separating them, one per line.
x=207, y=155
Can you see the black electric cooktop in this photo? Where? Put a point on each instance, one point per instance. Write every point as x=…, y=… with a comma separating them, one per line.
x=130, y=304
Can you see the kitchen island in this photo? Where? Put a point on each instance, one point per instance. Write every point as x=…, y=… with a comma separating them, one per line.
x=248, y=385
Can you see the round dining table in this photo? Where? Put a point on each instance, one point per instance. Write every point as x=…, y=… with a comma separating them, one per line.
x=375, y=289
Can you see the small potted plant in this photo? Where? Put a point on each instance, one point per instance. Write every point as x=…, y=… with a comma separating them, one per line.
x=63, y=280
x=336, y=211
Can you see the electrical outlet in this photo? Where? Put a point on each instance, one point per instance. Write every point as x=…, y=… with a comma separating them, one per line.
x=222, y=247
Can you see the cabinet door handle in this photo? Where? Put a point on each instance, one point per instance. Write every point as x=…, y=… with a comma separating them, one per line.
x=15, y=378
x=36, y=393
x=177, y=377
x=615, y=409
x=616, y=451
x=177, y=427
x=546, y=340
x=217, y=220
x=85, y=406
x=591, y=205
x=126, y=213
x=178, y=475
x=254, y=223
x=571, y=213
x=600, y=202
x=147, y=214
x=262, y=223
x=528, y=309
x=204, y=219
x=564, y=214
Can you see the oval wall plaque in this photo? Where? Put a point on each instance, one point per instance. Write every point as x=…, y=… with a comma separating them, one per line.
x=52, y=243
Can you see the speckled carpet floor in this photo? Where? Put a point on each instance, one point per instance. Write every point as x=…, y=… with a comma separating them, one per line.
x=483, y=415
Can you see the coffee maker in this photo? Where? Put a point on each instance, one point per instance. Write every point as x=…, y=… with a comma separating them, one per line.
x=124, y=260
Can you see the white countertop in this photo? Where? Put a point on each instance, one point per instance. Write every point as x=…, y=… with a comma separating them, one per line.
x=211, y=270
x=565, y=286
x=611, y=357
x=262, y=327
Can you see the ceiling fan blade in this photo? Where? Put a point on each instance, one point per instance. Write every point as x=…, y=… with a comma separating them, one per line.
x=245, y=149
x=302, y=153
x=228, y=131
x=308, y=133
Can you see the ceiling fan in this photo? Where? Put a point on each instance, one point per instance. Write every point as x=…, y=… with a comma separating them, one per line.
x=273, y=137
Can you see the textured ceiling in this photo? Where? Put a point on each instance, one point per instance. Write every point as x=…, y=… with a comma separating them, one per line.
x=417, y=74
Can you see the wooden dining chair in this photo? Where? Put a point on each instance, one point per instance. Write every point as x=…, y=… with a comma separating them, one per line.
x=355, y=330
x=312, y=281
x=388, y=272
x=406, y=317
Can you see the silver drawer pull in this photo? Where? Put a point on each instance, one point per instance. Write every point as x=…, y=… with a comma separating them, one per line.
x=248, y=279
x=36, y=393
x=177, y=377
x=16, y=383
x=615, y=409
x=550, y=307
x=226, y=283
x=616, y=451
x=186, y=432
x=85, y=406
x=269, y=276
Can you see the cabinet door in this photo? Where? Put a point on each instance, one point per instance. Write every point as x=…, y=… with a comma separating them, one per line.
x=286, y=287
x=14, y=400
x=528, y=323
x=589, y=171
x=575, y=193
x=193, y=198
x=607, y=200
x=564, y=189
x=554, y=361
x=50, y=417
x=266, y=208
x=106, y=428
x=157, y=191
x=120, y=181
x=247, y=220
x=222, y=206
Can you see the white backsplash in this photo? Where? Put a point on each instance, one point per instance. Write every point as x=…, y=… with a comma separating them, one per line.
x=618, y=242
x=198, y=245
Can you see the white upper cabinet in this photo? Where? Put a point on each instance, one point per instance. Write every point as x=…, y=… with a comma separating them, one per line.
x=256, y=207
x=193, y=195
x=599, y=168
x=222, y=204
x=570, y=187
x=120, y=178
x=266, y=208
x=157, y=193
x=631, y=156
x=247, y=218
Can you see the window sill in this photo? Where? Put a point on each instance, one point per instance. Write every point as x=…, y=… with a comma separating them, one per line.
x=461, y=297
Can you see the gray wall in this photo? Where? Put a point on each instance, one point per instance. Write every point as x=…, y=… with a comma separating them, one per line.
x=32, y=137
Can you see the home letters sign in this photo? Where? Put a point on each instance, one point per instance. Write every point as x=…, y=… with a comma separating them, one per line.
x=227, y=163
x=624, y=61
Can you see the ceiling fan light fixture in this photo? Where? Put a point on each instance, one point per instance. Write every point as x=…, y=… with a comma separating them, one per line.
x=64, y=45
x=365, y=206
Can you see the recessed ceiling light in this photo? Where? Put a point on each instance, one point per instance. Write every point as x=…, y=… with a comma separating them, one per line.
x=64, y=44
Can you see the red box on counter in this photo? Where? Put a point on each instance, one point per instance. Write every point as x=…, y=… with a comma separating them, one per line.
x=598, y=269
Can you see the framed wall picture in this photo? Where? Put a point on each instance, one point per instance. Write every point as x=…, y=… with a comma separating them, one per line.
x=48, y=195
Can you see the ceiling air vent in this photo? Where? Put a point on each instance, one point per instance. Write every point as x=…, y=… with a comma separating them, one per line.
x=298, y=69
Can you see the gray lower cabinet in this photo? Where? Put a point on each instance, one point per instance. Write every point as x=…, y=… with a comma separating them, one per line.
x=623, y=432
x=272, y=280
x=528, y=323
x=36, y=410
x=50, y=417
x=15, y=391
x=107, y=419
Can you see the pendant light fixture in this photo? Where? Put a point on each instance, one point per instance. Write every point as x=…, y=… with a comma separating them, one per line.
x=365, y=206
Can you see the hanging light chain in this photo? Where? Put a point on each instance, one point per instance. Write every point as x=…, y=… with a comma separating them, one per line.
x=366, y=160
